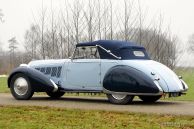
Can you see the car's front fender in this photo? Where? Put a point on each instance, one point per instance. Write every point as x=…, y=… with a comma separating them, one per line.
x=38, y=81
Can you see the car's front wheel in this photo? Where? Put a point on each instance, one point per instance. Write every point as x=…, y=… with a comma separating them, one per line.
x=150, y=99
x=55, y=95
x=120, y=98
x=20, y=87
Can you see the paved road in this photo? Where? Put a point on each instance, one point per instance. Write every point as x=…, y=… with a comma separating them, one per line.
x=99, y=103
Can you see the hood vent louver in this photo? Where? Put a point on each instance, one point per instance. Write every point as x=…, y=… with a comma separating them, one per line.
x=50, y=71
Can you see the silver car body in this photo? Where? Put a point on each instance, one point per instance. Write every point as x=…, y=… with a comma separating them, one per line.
x=88, y=74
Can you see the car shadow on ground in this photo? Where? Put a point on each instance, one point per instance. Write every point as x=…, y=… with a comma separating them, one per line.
x=72, y=99
x=101, y=100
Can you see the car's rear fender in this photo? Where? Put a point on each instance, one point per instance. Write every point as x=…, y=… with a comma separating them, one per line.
x=128, y=80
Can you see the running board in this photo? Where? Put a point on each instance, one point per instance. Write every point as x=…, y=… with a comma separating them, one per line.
x=81, y=91
x=128, y=93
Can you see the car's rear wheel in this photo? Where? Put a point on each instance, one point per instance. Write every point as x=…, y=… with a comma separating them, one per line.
x=120, y=98
x=20, y=87
x=150, y=99
x=55, y=95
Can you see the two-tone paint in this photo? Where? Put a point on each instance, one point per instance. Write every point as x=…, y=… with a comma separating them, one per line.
x=123, y=76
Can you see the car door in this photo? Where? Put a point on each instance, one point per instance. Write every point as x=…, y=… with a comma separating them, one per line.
x=84, y=69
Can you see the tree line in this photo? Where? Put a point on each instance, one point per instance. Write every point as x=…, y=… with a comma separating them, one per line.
x=54, y=33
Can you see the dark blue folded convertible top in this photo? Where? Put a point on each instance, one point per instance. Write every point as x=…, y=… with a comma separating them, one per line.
x=111, y=44
x=121, y=49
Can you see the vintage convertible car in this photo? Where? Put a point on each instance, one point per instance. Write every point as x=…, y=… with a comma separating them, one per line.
x=119, y=69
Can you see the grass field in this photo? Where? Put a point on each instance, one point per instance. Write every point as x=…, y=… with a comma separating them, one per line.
x=52, y=118
x=187, y=74
x=22, y=117
x=3, y=85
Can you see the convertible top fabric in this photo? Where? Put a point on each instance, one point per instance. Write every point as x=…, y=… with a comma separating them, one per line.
x=121, y=49
x=111, y=44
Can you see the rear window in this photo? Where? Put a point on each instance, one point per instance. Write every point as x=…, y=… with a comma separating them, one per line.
x=133, y=53
x=139, y=53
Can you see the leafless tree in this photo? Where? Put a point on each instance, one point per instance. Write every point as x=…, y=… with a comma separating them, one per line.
x=66, y=27
x=77, y=13
x=12, y=48
x=99, y=19
x=111, y=20
x=67, y=31
x=42, y=24
x=127, y=14
x=87, y=21
x=191, y=42
x=105, y=22
x=32, y=39
x=89, y=18
x=53, y=33
x=140, y=21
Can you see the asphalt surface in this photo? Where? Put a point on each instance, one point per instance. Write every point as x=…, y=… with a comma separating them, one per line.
x=100, y=103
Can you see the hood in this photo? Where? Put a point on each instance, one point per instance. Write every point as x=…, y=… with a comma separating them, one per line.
x=47, y=62
x=167, y=79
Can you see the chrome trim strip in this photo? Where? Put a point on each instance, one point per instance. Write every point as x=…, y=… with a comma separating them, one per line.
x=158, y=85
x=109, y=52
x=54, y=85
x=186, y=86
x=128, y=93
x=82, y=91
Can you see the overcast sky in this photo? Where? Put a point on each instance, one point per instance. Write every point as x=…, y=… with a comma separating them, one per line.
x=179, y=14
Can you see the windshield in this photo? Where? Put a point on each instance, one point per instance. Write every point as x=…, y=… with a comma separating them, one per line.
x=86, y=52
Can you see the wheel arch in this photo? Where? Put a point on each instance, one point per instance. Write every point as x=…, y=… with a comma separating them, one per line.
x=13, y=73
x=39, y=82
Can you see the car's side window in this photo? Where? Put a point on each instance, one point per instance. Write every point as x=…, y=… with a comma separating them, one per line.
x=86, y=52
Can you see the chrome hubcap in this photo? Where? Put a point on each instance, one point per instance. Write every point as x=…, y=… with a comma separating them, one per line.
x=118, y=96
x=20, y=86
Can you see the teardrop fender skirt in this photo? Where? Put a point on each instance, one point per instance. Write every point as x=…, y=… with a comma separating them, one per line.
x=127, y=80
x=38, y=81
